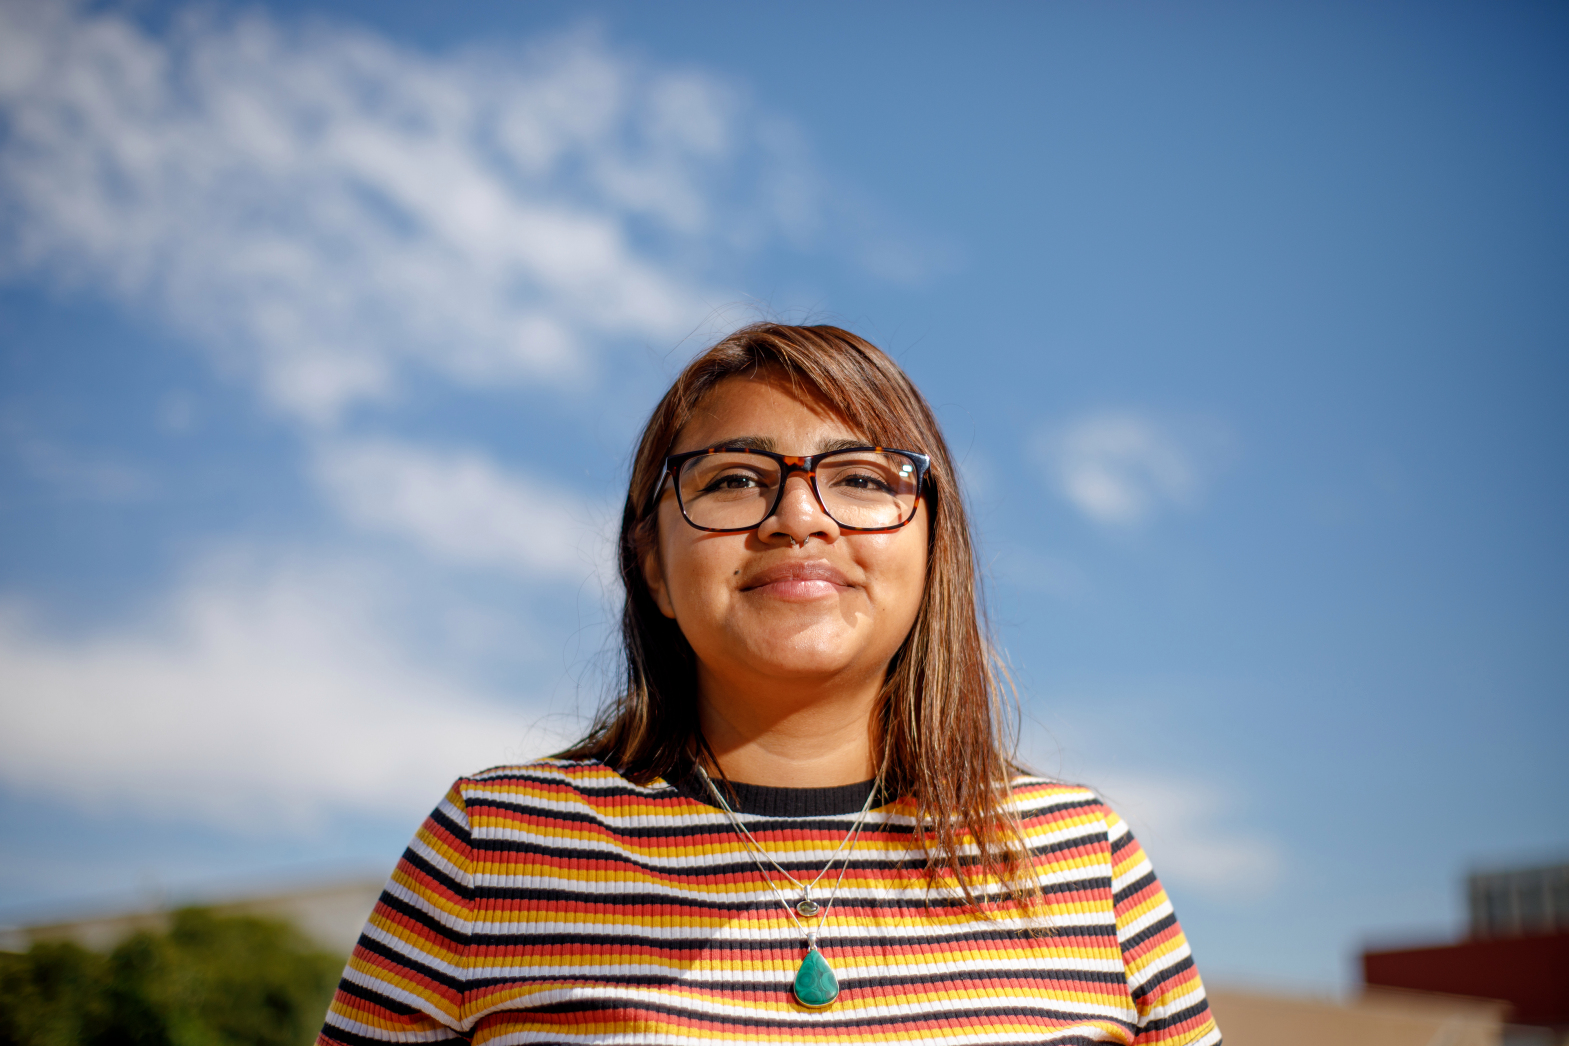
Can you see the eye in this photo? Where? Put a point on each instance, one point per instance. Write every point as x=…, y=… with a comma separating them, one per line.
x=863, y=481
x=732, y=481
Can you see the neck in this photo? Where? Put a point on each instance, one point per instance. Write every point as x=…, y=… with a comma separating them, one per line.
x=797, y=737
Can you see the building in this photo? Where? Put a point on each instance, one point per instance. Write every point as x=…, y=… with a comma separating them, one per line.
x=1519, y=903
x=1516, y=950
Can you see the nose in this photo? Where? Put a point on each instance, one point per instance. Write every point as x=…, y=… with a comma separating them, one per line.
x=799, y=516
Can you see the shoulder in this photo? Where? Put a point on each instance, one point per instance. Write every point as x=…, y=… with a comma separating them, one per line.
x=548, y=772
x=556, y=784
x=1060, y=812
x=1035, y=796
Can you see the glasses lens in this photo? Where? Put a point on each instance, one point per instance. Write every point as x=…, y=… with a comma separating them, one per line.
x=868, y=489
x=728, y=491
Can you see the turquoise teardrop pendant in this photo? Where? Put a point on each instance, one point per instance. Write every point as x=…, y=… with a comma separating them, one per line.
x=815, y=984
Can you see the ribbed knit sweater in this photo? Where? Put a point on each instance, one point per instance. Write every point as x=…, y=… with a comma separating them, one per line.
x=557, y=902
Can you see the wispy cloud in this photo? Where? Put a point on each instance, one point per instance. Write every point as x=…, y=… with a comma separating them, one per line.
x=79, y=474
x=331, y=212
x=1187, y=827
x=1120, y=468
x=462, y=507
x=339, y=221
x=256, y=700
x=1198, y=830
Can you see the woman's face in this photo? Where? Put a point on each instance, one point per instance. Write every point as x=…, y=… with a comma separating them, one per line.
x=796, y=600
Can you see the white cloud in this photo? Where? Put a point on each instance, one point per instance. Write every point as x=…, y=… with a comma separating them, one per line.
x=1120, y=467
x=1182, y=824
x=462, y=507
x=258, y=703
x=330, y=210
x=79, y=474
x=1200, y=834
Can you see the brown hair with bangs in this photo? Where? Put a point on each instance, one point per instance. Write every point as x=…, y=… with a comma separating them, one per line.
x=940, y=737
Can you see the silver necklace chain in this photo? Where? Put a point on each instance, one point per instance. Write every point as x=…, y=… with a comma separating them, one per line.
x=805, y=888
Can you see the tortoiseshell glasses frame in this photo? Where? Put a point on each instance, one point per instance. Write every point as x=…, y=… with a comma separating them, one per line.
x=882, y=466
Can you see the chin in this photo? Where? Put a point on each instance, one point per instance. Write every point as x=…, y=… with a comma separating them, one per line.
x=798, y=656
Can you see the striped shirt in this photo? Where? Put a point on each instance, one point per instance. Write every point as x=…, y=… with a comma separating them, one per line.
x=557, y=902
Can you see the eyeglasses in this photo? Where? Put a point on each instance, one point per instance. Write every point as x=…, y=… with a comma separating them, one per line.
x=731, y=489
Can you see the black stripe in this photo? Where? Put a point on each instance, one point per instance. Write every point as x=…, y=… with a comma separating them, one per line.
x=1154, y=929
x=1142, y=883
x=559, y=776
x=457, y=938
x=576, y=853
x=462, y=832
x=970, y=977
x=1159, y=977
x=675, y=946
x=408, y=962
x=681, y=825
x=344, y=1037
x=700, y=891
x=951, y=1014
x=679, y=811
x=432, y=871
x=1126, y=840
x=370, y=995
x=1180, y=1017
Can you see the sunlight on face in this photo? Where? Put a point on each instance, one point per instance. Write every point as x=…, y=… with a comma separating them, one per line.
x=796, y=599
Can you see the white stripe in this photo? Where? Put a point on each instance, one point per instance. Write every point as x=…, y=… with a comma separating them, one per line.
x=1137, y=926
x=419, y=903
x=1155, y=971
x=690, y=1008
x=738, y=972
x=382, y=1035
x=411, y=951
x=396, y=994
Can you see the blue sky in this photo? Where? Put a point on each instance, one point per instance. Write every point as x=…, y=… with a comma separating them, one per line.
x=325, y=330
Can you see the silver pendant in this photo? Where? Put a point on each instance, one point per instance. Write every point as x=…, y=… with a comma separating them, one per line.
x=808, y=907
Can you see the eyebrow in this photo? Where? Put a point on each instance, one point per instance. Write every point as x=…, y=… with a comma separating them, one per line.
x=768, y=443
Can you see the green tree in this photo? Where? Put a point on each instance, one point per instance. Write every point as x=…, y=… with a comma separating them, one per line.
x=208, y=981
x=52, y=995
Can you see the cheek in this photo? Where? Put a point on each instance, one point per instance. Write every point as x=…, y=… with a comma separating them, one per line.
x=696, y=575
x=915, y=573
x=903, y=576
x=690, y=585
x=914, y=590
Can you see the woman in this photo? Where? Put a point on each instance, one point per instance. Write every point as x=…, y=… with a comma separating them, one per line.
x=796, y=822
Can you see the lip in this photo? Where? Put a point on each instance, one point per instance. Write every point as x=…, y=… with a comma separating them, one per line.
x=798, y=580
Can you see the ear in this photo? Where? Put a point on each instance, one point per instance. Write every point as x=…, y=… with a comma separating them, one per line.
x=654, y=578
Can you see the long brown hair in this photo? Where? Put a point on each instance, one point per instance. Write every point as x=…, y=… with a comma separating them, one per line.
x=941, y=736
